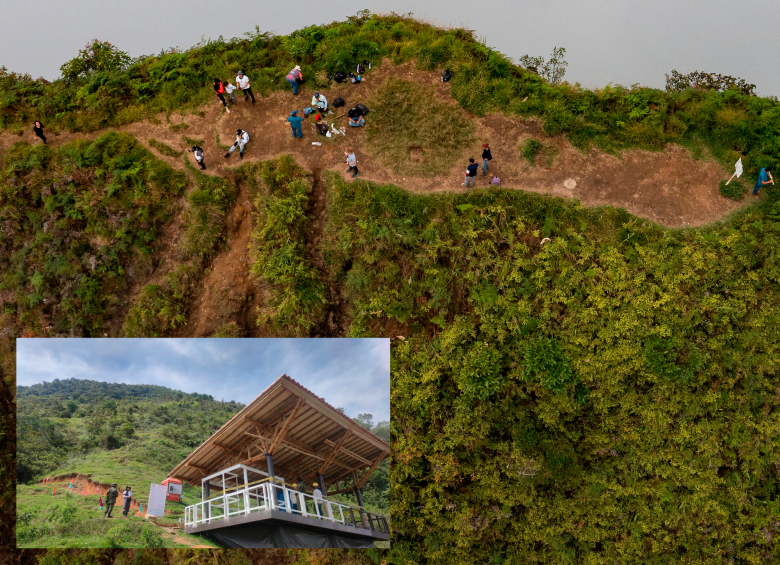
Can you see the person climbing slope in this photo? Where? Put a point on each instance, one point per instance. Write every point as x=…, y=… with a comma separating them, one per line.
x=219, y=90
x=111, y=496
x=295, y=77
x=198, y=152
x=242, y=82
x=295, y=122
x=242, y=138
x=38, y=131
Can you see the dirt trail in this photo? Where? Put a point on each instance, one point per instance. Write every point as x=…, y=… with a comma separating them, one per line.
x=668, y=187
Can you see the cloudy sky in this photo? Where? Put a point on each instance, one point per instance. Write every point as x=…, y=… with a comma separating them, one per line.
x=349, y=373
x=606, y=41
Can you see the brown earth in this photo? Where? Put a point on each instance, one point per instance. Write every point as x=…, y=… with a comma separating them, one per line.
x=668, y=187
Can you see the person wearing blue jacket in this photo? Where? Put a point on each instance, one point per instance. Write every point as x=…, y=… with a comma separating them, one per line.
x=295, y=122
x=763, y=178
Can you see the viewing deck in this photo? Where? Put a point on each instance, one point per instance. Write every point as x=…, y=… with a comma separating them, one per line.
x=273, y=503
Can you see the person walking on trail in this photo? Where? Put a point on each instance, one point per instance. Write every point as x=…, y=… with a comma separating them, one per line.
x=295, y=77
x=219, y=90
x=242, y=138
x=111, y=496
x=763, y=178
x=351, y=161
x=471, y=173
x=127, y=499
x=320, y=102
x=242, y=82
x=317, y=494
x=295, y=122
x=486, y=156
x=38, y=131
x=198, y=152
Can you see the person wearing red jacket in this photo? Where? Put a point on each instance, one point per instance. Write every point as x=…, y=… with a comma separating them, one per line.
x=219, y=90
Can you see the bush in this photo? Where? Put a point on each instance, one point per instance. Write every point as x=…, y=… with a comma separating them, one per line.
x=165, y=149
x=530, y=149
x=735, y=190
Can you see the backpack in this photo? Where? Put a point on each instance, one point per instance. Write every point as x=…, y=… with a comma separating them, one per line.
x=362, y=110
x=308, y=110
x=340, y=77
x=360, y=69
x=495, y=181
x=448, y=74
x=322, y=129
x=338, y=102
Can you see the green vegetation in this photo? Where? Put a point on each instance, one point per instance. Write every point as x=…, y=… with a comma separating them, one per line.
x=735, y=190
x=621, y=378
x=165, y=149
x=78, y=222
x=414, y=131
x=278, y=245
x=190, y=141
x=530, y=149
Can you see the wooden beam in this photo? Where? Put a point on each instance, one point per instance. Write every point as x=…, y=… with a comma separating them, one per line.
x=371, y=470
x=286, y=426
x=333, y=453
x=293, y=448
x=351, y=454
x=226, y=448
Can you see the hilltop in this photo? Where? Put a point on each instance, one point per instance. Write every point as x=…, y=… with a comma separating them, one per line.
x=583, y=379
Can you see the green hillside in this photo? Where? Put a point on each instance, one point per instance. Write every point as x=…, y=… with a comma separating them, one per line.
x=128, y=434
x=570, y=384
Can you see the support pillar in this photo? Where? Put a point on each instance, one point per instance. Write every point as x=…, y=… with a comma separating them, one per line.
x=271, y=490
x=325, y=503
x=363, y=515
x=207, y=494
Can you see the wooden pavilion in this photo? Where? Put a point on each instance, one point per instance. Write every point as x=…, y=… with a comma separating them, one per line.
x=248, y=469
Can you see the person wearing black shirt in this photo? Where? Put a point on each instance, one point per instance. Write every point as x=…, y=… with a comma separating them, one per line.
x=38, y=129
x=471, y=173
x=486, y=156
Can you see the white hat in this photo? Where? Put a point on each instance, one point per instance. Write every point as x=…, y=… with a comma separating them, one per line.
x=297, y=68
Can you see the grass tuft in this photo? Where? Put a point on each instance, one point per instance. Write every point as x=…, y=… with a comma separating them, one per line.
x=409, y=128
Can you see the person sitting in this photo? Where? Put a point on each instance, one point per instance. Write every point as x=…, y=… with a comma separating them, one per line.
x=320, y=102
x=357, y=121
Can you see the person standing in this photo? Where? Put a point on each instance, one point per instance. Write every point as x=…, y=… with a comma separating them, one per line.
x=351, y=161
x=763, y=178
x=219, y=90
x=471, y=173
x=198, y=152
x=230, y=89
x=38, y=130
x=127, y=499
x=295, y=122
x=242, y=138
x=317, y=494
x=295, y=77
x=486, y=156
x=300, y=486
x=242, y=82
x=111, y=496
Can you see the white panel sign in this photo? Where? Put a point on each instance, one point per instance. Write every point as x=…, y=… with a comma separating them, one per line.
x=157, y=494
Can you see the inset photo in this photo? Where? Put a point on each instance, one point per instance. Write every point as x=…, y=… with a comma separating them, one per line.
x=203, y=443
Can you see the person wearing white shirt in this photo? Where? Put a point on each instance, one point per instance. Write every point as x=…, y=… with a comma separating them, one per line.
x=127, y=499
x=242, y=82
x=320, y=102
x=317, y=495
x=242, y=138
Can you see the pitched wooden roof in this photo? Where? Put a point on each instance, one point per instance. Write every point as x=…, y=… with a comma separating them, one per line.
x=304, y=434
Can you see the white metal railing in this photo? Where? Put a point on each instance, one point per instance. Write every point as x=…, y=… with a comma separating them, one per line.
x=268, y=496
